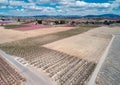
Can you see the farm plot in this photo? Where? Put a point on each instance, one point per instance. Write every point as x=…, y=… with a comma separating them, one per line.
x=9, y=75
x=13, y=26
x=60, y=67
x=89, y=45
x=109, y=73
x=25, y=27
x=31, y=26
x=13, y=35
x=46, y=38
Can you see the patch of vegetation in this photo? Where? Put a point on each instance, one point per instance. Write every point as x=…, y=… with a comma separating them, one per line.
x=62, y=22
x=38, y=21
x=13, y=26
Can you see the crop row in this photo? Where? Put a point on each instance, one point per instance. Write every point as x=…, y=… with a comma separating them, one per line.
x=62, y=68
x=9, y=75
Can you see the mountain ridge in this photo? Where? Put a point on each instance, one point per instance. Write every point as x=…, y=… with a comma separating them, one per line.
x=67, y=16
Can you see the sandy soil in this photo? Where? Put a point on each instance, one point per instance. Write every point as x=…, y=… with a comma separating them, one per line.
x=12, y=35
x=89, y=45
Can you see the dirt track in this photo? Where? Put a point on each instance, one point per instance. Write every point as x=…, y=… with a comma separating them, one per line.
x=12, y=35
x=89, y=45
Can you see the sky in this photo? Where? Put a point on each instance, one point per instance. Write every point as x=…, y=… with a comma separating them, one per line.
x=59, y=7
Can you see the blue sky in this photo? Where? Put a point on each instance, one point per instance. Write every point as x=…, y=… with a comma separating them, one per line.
x=58, y=7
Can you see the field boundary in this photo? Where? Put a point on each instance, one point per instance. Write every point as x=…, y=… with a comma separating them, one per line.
x=99, y=65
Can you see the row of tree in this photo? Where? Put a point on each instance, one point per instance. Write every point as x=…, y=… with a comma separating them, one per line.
x=110, y=22
x=106, y=22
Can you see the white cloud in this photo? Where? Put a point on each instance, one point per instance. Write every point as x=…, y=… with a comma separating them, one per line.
x=49, y=9
x=31, y=1
x=60, y=11
x=87, y=5
x=99, y=5
x=3, y=1
x=45, y=1
x=19, y=9
x=3, y=7
x=65, y=7
x=16, y=3
x=115, y=4
x=81, y=3
x=82, y=7
x=20, y=3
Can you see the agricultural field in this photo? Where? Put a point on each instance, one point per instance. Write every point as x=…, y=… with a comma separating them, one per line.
x=13, y=35
x=31, y=26
x=9, y=75
x=26, y=27
x=60, y=55
x=109, y=73
x=48, y=38
x=13, y=26
x=89, y=45
x=62, y=68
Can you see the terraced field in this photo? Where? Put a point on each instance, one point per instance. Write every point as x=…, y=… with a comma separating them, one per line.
x=9, y=75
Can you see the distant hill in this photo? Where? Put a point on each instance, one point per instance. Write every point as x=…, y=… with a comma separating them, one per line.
x=103, y=16
x=57, y=16
x=68, y=16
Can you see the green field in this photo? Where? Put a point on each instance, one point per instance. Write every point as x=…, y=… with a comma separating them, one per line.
x=12, y=26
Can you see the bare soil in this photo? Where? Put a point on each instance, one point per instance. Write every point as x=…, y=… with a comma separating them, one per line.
x=8, y=35
x=89, y=45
